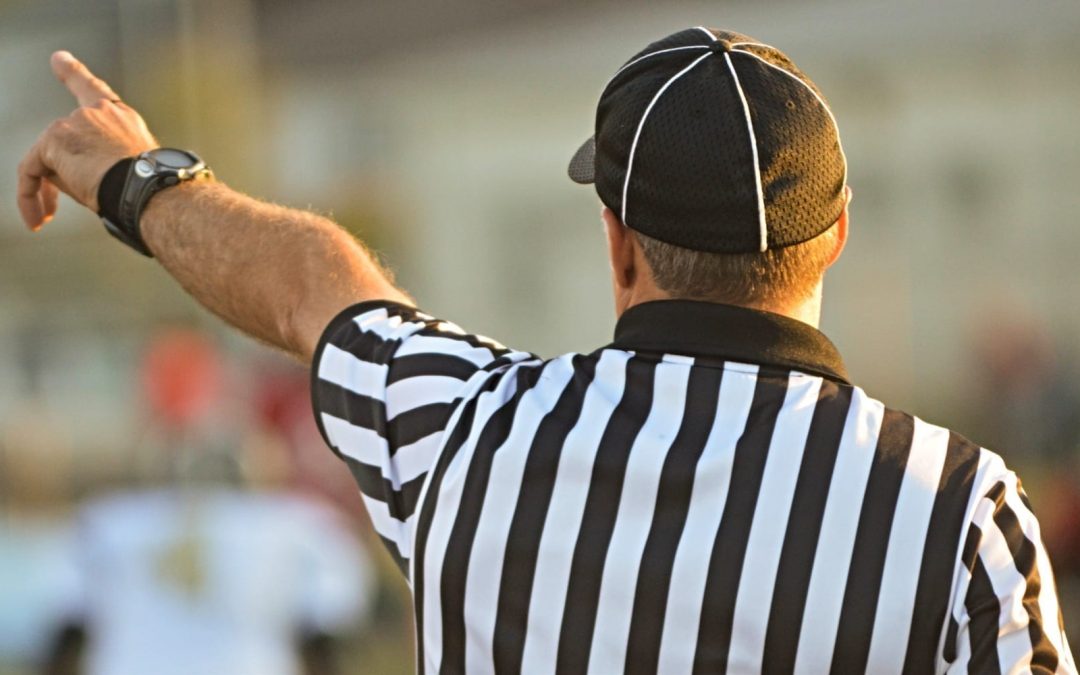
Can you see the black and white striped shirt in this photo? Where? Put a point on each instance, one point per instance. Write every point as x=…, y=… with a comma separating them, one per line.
x=707, y=494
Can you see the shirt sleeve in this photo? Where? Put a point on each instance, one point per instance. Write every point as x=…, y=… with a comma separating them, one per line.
x=1007, y=619
x=386, y=379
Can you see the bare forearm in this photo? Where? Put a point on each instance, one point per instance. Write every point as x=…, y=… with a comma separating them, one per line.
x=277, y=274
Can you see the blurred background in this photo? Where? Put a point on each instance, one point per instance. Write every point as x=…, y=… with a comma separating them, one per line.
x=161, y=476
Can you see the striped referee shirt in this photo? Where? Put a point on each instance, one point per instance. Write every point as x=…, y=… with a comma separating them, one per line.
x=707, y=494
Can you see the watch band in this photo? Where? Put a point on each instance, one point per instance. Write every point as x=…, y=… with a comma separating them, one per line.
x=112, y=189
x=127, y=187
x=110, y=205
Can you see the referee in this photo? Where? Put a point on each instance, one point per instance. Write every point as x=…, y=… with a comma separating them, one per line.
x=708, y=493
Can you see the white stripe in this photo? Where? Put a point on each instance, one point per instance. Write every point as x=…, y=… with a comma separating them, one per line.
x=339, y=367
x=414, y=460
x=820, y=100
x=1013, y=643
x=470, y=392
x=988, y=464
x=753, y=602
x=440, y=346
x=399, y=532
x=454, y=329
x=633, y=519
x=763, y=231
x=1048, y=599
x=641, y=124
x=380, y=323
x=360, y=443
x=982, y=514
x=839, y=524
x=484, y=576
x=645, y=56
x=447, y=503
x=421, y=390
x=690, y=568
x=907, y=539
x=754, y=44
x=564, y=515
x=707, y=32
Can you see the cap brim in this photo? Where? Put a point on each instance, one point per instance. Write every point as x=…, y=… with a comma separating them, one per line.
x=582, y=167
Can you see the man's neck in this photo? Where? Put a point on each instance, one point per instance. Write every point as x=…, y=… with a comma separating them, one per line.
x=808, y=311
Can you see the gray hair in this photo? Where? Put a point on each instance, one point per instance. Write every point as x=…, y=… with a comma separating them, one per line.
x=777, y=276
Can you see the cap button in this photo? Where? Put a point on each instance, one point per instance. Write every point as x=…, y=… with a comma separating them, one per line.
x=720, y=46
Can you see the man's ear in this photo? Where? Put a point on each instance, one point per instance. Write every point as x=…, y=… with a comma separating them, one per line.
x=620, y=249
x=841, y=230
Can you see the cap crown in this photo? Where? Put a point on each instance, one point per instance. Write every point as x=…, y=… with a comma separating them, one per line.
x=713, y=141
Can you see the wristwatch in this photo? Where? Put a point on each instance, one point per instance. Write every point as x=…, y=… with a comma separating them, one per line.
x=128, y=186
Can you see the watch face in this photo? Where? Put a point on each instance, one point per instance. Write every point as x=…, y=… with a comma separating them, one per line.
x=174, y=159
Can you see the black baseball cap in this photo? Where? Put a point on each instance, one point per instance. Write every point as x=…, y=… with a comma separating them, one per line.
x=714, y=141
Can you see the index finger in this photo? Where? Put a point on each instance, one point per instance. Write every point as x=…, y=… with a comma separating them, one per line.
x=84, y=85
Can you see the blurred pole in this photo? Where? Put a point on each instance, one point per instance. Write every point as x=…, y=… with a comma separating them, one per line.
x=193, y=68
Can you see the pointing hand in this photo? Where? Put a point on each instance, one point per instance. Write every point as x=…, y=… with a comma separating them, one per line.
x=74, y=152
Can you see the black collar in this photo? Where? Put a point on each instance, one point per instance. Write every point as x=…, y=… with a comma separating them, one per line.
x=731, y=333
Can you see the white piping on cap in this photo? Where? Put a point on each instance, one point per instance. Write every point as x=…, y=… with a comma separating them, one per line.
x=798, y=79
x=645, y=56
x=754, y=44
x=762, y=227
x=707, y=32
x=641, y=124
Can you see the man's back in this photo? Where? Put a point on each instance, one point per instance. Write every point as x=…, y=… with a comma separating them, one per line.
x=664, y=505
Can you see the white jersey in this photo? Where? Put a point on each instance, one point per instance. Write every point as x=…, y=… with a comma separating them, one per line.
x=213, y=582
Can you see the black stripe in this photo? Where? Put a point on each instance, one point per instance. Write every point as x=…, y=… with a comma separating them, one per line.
x=1025, y=556
x=526, y=527
x=729, y=547
x=804, y=527
x=357, y=409
x=457, y=437
x=984, y=613
x=459, y=547
x=347, y=334
x=430, y=365
x=344, y=333
x=949, y=651
x=364, y=411
x=391, y=547
x=669, y=519
x=401, y=502
x=410, y=426
x=871, y=542
x=598, y=520
x=967, y=560
x=940, y=552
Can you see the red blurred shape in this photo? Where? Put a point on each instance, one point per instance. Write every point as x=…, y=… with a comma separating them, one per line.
x=182, y=376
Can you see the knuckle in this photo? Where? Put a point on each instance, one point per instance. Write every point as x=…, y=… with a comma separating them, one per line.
x=56, y=128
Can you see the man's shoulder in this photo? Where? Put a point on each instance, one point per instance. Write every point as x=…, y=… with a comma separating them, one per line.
x=937, y=456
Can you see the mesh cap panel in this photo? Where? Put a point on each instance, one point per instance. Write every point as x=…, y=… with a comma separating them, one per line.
x=693, y=175
x=703, y=188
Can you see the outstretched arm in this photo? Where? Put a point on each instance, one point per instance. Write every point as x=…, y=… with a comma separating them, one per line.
x=277, y=274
